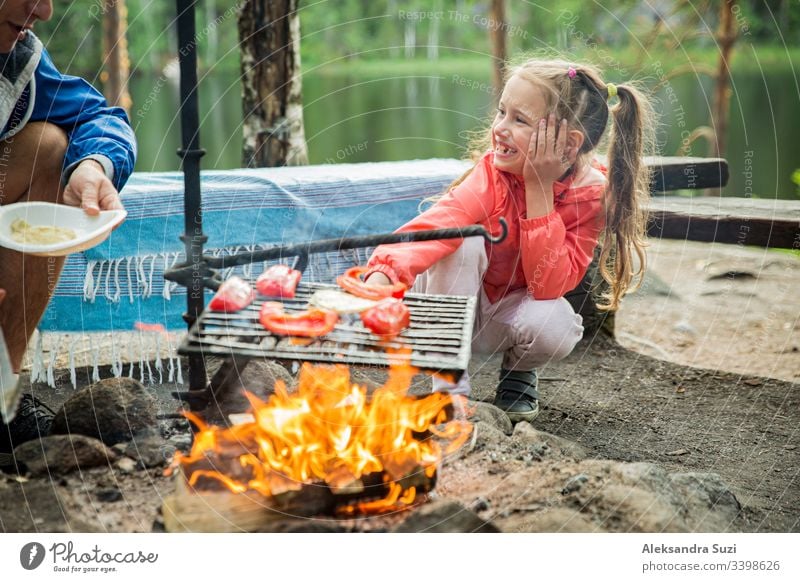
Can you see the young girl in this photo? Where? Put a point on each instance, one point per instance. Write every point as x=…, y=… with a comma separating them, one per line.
x=540, y=176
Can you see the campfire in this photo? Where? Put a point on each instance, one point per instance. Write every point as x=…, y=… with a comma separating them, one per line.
x=330, y=446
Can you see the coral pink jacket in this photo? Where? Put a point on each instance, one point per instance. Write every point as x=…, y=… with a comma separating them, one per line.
x=547, y=254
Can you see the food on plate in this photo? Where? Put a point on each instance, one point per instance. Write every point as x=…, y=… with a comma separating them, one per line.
x=25, y=233
x=314, y=322
x=233, y=295
x=352, y=282
x=278, y=281
x=388, y=318
x=339, y=301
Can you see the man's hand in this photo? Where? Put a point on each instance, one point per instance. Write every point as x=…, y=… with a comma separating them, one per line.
x=89, y=188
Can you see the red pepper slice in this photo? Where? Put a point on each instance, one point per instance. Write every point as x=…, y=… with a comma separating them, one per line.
x=233, y=295
x=312, y=323
x=278, y=281
x=352, y=282
x=388, y=318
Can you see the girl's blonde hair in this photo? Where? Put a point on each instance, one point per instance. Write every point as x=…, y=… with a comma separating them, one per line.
x=582, y=99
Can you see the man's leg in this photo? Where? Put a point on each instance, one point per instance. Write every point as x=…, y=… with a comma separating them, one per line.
x=30, y=170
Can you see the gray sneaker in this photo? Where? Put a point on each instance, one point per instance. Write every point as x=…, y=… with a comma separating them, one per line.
x=517, y=395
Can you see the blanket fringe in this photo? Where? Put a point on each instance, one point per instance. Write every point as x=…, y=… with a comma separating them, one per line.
x=139, y=355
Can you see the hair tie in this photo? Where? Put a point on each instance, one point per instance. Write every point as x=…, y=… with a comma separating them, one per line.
x=612, y=90
x=571, y=72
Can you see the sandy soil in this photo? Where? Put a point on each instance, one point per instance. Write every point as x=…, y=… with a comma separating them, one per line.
x=720, y=307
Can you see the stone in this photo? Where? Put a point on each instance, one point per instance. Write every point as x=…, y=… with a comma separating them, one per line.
x=546, y=445
x=148, y=448
x=492, y=415
x=636, y=509
x=488, y=437
x=126, y=465
x=109, y=495
x=709, y=503
x=258, y=378
x=552, y=520
x=574, y=484
x=444, y=516
x=61, y=454
x=112, y=410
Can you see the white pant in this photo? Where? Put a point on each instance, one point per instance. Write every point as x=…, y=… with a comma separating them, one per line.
x=530, y=332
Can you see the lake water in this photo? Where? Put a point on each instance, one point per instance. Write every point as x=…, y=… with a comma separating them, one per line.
x=398, y=117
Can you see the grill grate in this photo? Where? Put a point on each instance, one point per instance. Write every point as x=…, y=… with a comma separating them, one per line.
x=439, y=335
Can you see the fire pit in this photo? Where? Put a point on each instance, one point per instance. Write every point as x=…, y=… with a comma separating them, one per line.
x=329, y=448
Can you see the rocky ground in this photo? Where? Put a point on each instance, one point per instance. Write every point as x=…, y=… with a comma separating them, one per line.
x=625, y=442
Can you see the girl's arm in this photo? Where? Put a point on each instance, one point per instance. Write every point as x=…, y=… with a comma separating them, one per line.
x=557, y=248
x=469, y=203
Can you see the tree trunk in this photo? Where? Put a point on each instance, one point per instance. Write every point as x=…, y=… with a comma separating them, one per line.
x=269, y=32
x=497, y=32
x=726, y=37
x=115, y=54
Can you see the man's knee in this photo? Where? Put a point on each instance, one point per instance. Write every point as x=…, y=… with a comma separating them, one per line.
x=47, y=143
x=33, y=162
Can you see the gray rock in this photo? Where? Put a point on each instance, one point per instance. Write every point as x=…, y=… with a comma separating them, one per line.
x=127, y=465
x=443, y=516
x=488, y=437
x=643, y=497
x=109, y=495
x=148, y=448
x=710, y=505
x=492, y=415
x=61, y=454
x=258, y=378
x=544, y=444
x=574, y=484
x=112, y=410
x=636, y=509
x=551, y=520
x=37, y=507
x=684, y=326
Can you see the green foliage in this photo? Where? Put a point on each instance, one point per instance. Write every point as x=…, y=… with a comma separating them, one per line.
x=335, y=33
x=74, y=36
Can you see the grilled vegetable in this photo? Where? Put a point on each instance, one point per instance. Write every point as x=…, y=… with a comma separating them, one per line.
x=388, y=318
x=339, y=301
x=312, y=323
x=352, y=282
x=278, y=281
x=233, y=295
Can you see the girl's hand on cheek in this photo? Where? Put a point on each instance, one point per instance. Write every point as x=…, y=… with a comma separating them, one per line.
x=548, y=156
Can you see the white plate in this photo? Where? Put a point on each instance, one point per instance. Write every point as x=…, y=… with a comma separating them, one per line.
x=90, y=230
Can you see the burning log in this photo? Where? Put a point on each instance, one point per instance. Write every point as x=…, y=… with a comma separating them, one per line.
x=326, y=450
x=218, y=510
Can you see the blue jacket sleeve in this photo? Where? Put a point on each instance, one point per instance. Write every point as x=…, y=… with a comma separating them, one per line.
x=81, y=111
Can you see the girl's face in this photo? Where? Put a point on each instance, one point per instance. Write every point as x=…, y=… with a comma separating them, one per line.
x=521, y=107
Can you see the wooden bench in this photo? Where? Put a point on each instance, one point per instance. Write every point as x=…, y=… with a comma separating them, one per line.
x=728, y=220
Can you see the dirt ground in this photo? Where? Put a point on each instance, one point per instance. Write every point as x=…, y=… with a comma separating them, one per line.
x=703, y=378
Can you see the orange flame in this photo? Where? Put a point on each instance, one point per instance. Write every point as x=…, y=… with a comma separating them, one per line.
x=330, y=431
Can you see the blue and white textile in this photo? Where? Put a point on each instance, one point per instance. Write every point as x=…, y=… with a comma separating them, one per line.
x=120, y=282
